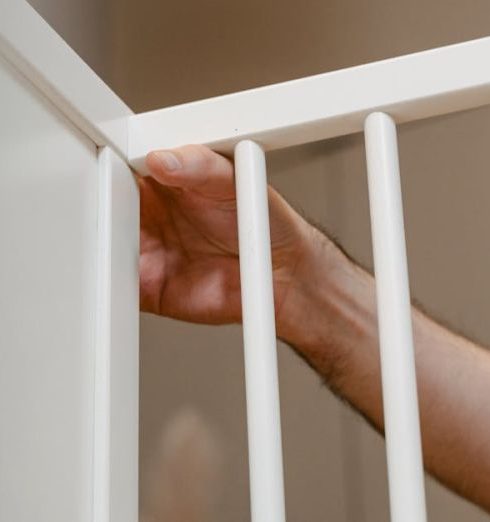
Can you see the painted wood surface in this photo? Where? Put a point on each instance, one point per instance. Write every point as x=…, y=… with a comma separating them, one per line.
x=69, y=312
x=117, y=343
x=48, y=226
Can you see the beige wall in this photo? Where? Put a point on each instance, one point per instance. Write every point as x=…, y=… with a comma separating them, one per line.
x=170, y=52
x=161, y=53
x=86, y=25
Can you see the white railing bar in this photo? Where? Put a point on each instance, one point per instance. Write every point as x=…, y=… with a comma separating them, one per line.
x=259, y=334
x=410, y=87
x=401, y=414
x=102, y=366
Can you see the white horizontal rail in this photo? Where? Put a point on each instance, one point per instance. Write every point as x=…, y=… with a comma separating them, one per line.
x=41, y=55
x=410, y=87
x=416, y=86
x=401, y=414
x=259, y=336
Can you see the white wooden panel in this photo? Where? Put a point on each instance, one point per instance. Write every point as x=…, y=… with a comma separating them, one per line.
x=117, y=361
x=48, y=225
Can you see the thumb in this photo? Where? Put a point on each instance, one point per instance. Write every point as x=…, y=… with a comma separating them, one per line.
x=194, y=167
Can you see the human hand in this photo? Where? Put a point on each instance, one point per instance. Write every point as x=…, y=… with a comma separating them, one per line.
x=189, y=266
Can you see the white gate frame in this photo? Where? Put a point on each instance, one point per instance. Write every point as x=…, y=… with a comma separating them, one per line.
x=374, y=98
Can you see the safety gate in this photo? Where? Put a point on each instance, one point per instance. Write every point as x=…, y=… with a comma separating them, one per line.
x=372, y=98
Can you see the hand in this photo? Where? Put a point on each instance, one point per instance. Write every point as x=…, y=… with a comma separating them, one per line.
x=189, y=245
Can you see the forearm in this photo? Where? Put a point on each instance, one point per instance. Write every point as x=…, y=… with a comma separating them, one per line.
x=331, y=321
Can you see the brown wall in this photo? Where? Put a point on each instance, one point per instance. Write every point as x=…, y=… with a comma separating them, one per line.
x=86, y=26
x=162, y=53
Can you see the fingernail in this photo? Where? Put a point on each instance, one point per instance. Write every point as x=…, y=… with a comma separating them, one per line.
x=169, y=160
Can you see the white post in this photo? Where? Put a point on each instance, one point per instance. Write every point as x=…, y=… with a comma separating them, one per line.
x=259, y=334
x=401, y=415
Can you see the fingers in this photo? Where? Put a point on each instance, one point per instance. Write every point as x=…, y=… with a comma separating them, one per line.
x=193, y=167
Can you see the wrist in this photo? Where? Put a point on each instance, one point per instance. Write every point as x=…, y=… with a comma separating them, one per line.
x=299, y=321
x=329, y=317
x=329, y=311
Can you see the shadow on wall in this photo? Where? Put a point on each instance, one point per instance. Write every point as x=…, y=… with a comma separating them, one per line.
x=185, y=479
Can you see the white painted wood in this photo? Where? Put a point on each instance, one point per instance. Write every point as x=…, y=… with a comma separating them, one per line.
x=116, y=359
x=259, y=336
x=415, y=86
x=69, y=310
x=48, y=225
x=95, y=472
x=420, y=85
x=30, y=44
x=400, y=403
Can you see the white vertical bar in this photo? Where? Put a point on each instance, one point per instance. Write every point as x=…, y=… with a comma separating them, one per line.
x=116, y=393
x=401, y=415
x=102, y=380
x=259, y=333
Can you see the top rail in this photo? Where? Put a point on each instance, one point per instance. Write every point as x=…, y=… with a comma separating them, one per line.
x=411, y=87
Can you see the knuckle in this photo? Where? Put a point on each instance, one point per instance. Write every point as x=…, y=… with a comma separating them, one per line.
x=198, y=155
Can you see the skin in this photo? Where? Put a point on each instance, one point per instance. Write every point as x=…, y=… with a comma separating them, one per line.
x=325, y=308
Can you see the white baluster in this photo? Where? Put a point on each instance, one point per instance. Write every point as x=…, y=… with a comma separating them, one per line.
x=401, y=414
x=259, y=333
